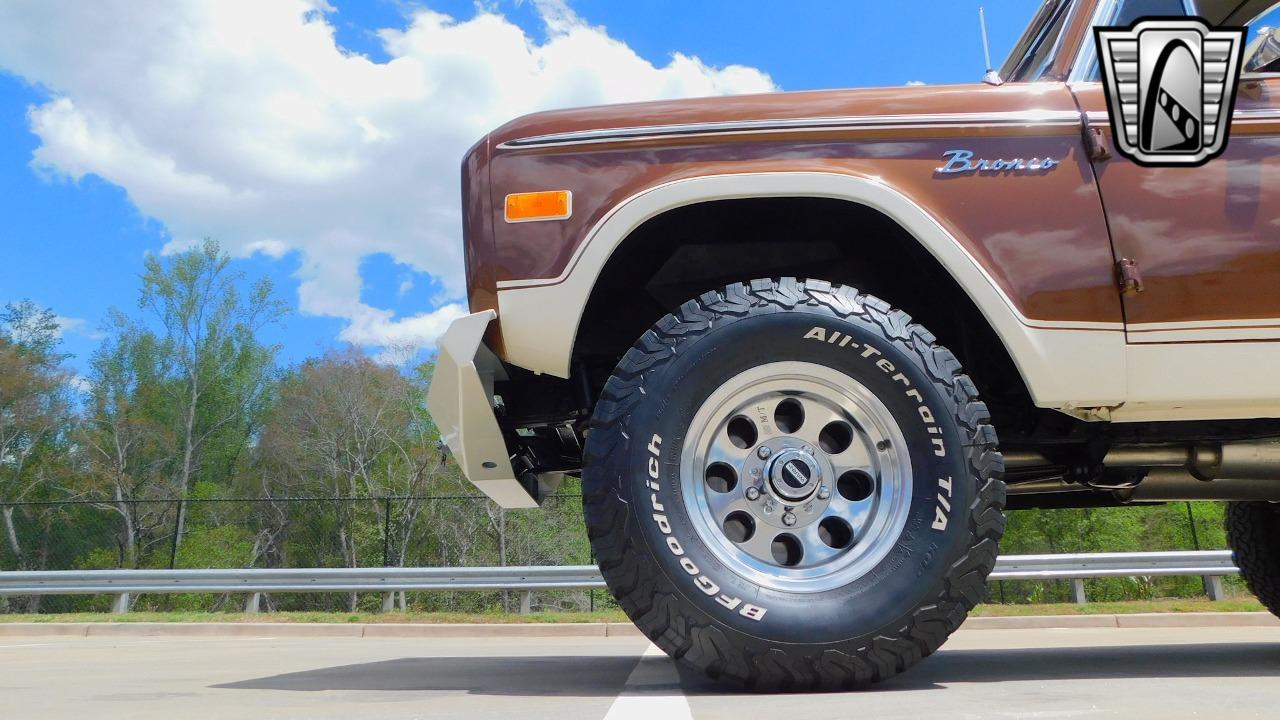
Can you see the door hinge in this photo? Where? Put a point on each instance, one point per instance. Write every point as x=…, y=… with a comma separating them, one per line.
x=1095, y=143
x=1129, y=275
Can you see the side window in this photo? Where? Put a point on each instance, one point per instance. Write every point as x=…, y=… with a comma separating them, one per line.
x=1125, y=12
x=1268, y=21
x=1131, y=10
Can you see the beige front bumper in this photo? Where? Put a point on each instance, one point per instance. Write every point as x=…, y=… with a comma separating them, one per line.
x=461, y=403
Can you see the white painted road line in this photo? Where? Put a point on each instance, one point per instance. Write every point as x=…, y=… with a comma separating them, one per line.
x=652, y=691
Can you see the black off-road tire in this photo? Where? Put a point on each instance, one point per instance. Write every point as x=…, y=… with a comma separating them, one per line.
x=1253, y=532
x=845, y=638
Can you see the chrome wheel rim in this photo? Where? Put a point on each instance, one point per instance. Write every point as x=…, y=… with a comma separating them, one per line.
x=796, y=476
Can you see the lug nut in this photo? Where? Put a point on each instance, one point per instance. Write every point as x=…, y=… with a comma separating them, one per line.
x=824, y=492
x=789, y=519
x=753, y=493
x=764, y=452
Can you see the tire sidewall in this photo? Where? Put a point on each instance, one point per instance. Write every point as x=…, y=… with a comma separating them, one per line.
x=891, y=367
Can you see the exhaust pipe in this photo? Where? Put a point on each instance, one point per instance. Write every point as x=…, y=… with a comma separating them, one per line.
x=1241, y=460
x=1240, y=470
x=1174, y=485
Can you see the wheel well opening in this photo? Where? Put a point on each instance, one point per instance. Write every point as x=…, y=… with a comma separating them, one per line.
x=687, y=251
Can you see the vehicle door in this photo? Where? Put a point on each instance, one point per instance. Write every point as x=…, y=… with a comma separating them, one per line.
x=1200, y=246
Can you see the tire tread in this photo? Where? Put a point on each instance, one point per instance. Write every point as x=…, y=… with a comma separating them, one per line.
x=645, y=594
x=1253, y=533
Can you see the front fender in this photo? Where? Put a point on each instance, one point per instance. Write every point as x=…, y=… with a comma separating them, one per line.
x=1064, y=364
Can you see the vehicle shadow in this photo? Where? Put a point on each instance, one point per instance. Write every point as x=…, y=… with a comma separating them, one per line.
x=568, y=676
x=1197, y=660
x=596, y=676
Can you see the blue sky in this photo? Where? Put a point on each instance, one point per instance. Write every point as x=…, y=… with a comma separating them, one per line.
x=77, y=245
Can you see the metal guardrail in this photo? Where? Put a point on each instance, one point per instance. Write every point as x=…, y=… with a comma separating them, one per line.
x=1208, y=563
x=1211, y=565
x=377, y=579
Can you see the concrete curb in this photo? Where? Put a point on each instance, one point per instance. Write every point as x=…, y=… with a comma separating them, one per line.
x=370, y=630
x=578, y=630
x=1039, y=622
x=1258, y=619
x=531, y=630
x=1136, y=620
x=221, y=630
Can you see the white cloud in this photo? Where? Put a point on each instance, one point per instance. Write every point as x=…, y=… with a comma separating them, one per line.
x=271, y=248
x=377, y=327
x=68, y=324
x=244, y=121
x=400, y=338
x=62, y=326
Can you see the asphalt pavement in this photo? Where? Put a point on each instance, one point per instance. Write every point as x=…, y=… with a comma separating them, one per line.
x=1131, y=673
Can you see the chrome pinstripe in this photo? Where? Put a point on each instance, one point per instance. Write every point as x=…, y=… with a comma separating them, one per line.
x=1039, y=118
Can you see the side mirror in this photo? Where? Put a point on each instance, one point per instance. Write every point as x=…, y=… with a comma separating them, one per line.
x=1264, y=52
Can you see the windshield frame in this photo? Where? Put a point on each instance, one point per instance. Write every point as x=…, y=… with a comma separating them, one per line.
x=1051, y=12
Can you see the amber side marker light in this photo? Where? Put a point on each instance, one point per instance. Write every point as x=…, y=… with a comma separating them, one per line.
x=545, y=205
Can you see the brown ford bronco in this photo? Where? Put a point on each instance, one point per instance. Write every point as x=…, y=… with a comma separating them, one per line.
x=797, y=483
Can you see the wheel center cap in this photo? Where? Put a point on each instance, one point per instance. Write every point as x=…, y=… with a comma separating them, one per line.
x=794, y=474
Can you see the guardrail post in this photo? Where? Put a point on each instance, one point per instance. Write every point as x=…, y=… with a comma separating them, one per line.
x=1077, y=591
x=526, y=602
x=1213, y=588
x=388, y=601
x=253, y=604
x=120, y=605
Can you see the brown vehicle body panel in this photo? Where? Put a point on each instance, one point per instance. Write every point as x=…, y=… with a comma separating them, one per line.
x=477, y=228
x=1207, y=239
x=1196, y=339
x=1041, y=235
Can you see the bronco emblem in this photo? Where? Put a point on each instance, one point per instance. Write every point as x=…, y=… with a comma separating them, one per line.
x=962, y=161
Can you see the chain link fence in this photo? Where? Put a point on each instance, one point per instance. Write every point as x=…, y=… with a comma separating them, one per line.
x=449, y=531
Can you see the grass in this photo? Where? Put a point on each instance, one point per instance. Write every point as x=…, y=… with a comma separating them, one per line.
x=1101, y=608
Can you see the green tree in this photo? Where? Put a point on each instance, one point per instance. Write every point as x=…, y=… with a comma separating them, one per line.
x=346, y=426
x=122, y=438
x=35, y=414
x=209, y=362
